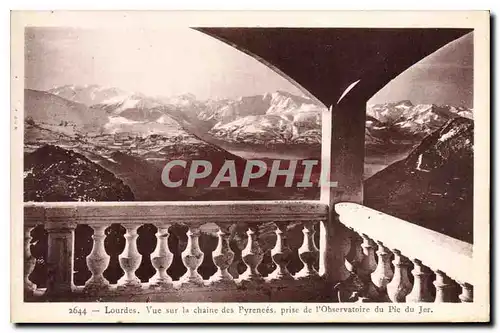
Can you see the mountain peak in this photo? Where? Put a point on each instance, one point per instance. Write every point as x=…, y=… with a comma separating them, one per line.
x=404, y=102
x=88, y=94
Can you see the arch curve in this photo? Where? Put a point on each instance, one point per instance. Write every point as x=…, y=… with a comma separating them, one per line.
x=323, y=62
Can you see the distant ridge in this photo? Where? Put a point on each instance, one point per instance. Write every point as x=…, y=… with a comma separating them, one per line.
x=433, y=186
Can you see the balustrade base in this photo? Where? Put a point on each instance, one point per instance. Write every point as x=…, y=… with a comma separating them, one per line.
x=160, y=284
x=276, y=291
x=126, y=285
x=306, y=274
x=279, y=277
x=96, y=286
x=222, y=280
x=254, y=281
x=191, y=281
x=250, y=276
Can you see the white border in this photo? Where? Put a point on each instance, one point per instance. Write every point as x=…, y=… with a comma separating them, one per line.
x=187, y=4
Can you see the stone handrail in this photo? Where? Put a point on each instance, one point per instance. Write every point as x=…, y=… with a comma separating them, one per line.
x=60, y=219
x=449, y=258
x=370, y=235
x=174, y=211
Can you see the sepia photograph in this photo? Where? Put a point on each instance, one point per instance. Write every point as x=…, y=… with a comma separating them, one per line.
x=169, y=168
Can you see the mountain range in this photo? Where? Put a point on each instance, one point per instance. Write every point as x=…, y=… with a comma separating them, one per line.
x=124, y=132
x=93, y=143
x=271, y=118
x=433, y=185
x=124, y=135
x=402, y=121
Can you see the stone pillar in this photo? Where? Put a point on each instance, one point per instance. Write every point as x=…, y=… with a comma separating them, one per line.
x=420, y=291
x=467, y=293
x=281, y=254
x=29, y=261
x=60, y=258
x=367, y=266
x=343, y=140
x=97, y=261
x=252, y=256
x=308, y=252
x=130, y=259
x=192, y=257
x=334, y=245
x=400, y=285
x=383, y=274
x=354, y=258
x=445, y=288
x=222, y=257
x=161, y=258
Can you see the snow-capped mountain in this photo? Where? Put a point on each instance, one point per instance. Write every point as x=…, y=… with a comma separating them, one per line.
x=271, y=118
x=433, y=183
x=184, y=100
x=279, y=117
x=133, y=107
x=277, y=103
x=131, y=114
x=401, y=121
x=285, y=118
x=88, y=94
x=60, y=114
x=138, y=115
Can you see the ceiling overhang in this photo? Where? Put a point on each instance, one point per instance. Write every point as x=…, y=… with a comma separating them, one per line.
x=325, y=61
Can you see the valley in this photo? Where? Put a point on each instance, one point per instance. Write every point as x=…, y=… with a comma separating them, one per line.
x=90, y=143
x=125, y=132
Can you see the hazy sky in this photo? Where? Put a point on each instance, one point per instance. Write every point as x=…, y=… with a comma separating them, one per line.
x=154, y=62
x=177, y=61
x=444, y=77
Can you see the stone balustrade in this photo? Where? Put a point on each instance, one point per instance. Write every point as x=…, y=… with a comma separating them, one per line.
x=61, y=219
x=359, y=251
x=440, y=266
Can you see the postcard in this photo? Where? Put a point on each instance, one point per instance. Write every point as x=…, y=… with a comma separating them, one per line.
x=250, y=167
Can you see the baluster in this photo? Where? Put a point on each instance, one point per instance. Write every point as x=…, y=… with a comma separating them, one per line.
x=161, y=258
x=237, y=260
x=222, y=257
x=467, y=294
x=367, y=266
x=334, y=246
x=400, y=285
x=29, y=261
x=252, y=256
x=192, y=257
x=97, y=261
x=130, y=259
x=383, y=274
x=308, y=252
x=280, y=254
x=445, y=288
x=352, y=287
x=420, y=291
x=61, y=236
x=355, y=255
